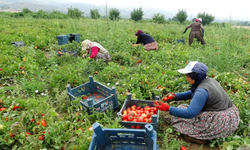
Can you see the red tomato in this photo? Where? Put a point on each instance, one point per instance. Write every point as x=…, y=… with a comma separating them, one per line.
x=138, y=108
x=41, y=138
x=155, y=110
x=133, y=127
x=140, y=119
x=146, y=120
x=165, y=98
x=43, y=123
x=128, y=110
x=138, y=127
x=125, y=116
x=133, y=107
x=170, y=97
x=11, y=135
x=152, y=113
x=135, y=120
x=156, y=103
x=27, y=133
x=138, y=111
x=138, y=115
x=150, y=120
x=2, y=109
x=183, y=148
x=130, y=118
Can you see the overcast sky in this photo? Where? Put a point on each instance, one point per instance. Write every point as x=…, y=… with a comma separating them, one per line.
x=221, y=9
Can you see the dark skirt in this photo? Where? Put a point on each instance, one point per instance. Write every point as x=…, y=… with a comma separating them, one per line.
x=208, y=124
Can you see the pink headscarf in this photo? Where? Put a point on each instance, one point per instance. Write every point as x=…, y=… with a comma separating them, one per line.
x=139, y=32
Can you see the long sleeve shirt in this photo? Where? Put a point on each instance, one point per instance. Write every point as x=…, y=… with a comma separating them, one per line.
x=144, y=39
x=199, y=98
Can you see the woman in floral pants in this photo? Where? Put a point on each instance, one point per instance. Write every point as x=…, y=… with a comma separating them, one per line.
x=211, y=113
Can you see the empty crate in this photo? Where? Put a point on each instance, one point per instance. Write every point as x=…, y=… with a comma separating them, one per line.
x=62, y=39
x=74, y=37
x=123, y=139
x=95, y=96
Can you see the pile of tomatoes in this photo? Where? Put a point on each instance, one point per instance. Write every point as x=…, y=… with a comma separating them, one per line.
x=139, y=114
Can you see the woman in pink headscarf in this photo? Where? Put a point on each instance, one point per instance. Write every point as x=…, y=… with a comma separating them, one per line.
x=148, y=41
x=95, y=50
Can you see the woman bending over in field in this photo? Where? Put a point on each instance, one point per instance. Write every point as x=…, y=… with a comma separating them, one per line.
x=211, y=113
x=148, y=41
x=95, y=50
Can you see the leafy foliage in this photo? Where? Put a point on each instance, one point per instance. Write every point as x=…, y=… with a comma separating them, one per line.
x=181, y=15
x=26, y=10
x=74, y=13
x=41, y=14
x=114, y=14
x=206, y=18
x=94, y=13
x=158, y=18
x=137, y=14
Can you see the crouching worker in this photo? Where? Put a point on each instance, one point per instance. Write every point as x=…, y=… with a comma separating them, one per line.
x=148, y=41
x=211, y=113
x=95, y=50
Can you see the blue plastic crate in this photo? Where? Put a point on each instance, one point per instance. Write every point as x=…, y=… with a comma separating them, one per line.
x=75, y=37
x=99, y=97
x=73, y=53
x=19, y=44
x=123, y=139
x=62, y=39
x=142, y=103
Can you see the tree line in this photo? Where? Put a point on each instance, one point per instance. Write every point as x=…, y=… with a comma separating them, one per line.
x=112, y=14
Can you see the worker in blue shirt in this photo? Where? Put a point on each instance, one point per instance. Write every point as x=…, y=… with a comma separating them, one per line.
x=211, y=113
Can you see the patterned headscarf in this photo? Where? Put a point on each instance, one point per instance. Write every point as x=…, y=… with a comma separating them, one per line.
x=198, y=77
x=139, y=32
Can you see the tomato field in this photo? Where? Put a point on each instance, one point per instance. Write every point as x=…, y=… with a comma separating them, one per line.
x=35, y=109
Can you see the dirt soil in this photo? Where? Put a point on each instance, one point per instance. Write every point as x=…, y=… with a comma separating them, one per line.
x=193, y=146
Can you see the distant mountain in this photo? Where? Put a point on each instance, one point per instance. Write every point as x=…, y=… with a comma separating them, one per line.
x=18, y=5
x=46, y=5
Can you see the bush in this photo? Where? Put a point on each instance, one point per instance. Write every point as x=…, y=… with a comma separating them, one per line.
x=17, y=15
x=158, y=18
x=74, y=13
x=206, y=18
x=114, y=14
x=181, y=15
x=41, y=14
x=136, y=15
x=57, y=15
x=94, y=14
x=26, y=10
